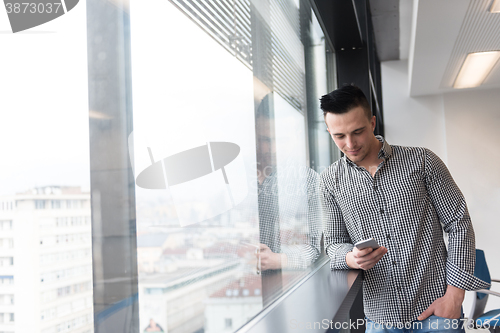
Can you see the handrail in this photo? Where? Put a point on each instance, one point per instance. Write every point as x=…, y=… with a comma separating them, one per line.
x=322, y=300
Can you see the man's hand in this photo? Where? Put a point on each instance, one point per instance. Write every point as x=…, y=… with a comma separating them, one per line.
x=269, y=259
x=448, y=306
x=364, y=259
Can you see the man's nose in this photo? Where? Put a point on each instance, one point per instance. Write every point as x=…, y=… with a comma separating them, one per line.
x=350, y=142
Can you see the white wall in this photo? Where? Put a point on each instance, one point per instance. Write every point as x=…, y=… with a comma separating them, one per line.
x=463, y=128
x=411, y=121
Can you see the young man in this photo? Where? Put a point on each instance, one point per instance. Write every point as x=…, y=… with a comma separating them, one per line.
x=400, y=196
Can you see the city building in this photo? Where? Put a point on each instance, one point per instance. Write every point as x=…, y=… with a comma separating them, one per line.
x=46, y=261
x=233, y=305
x=130, y=100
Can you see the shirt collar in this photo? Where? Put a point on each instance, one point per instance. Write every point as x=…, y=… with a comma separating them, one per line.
x=385, y=152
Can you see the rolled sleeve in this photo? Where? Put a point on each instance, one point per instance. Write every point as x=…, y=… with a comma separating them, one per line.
x=337, y=240
x=337, y=254
x=461, y=279
x=300, y=256
x=451, y=209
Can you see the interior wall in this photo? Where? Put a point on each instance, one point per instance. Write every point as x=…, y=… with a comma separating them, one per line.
x=408, y=121
x=462, y=128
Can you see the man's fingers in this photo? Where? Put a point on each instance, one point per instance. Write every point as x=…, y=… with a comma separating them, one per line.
x=262, y=256
x=369, y=251
x=368, y=261
x=265, y=261
x=424, y=315
x=361, y=253
x=377, y=254
x=381, y=251
x=263, y=248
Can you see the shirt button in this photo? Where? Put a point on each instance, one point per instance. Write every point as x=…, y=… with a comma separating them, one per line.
x=399, y=288
x=394, y=262
x=388, y=236
x=375, y=187
x=381, y=211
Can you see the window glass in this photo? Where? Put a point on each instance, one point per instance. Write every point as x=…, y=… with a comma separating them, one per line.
x=193, y=228
x=44, y=140
x=226, y=203
x=321, y=80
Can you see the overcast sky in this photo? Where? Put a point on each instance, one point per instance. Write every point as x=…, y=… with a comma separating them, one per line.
x=187, y=90
x=44, y=104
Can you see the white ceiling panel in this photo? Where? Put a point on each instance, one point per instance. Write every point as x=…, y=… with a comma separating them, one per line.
x=480, y=32
x=445, y=32
x=437, y=28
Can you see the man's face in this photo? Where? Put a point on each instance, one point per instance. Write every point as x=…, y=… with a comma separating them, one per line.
x=266, y=145
x=352, y=132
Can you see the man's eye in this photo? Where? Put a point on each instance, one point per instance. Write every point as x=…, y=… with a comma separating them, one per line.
x=339, y=136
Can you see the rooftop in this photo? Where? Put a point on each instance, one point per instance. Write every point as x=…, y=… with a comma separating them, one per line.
x=247, y=286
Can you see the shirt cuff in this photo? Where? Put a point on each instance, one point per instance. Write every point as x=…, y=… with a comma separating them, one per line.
x=337, y=253
x=294, y=259
x=459, y=278
x=299, y=256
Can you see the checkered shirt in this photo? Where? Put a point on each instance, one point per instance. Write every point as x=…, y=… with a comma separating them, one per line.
x=406, y=206
x=290, y=217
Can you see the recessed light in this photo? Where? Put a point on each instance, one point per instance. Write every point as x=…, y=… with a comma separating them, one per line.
x=495, y=6
x=475, y=69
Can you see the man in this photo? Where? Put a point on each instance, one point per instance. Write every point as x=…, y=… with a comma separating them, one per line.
x=288, y=201
x=289, y=208
x=400, y=196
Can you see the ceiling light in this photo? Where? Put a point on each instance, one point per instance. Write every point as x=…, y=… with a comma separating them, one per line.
x=495, y=7
x=475, y=69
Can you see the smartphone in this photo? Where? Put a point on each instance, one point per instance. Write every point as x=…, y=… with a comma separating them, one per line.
x=367, y=243
x=257, y=251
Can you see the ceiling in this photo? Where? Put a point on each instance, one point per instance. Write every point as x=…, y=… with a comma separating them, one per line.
x=385, y=21
x=442, y=33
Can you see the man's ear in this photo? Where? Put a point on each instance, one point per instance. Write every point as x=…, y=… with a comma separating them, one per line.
x=373, y=122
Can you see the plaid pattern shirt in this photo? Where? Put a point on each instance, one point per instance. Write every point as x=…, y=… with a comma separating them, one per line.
x=290, y=215
x=406, y=206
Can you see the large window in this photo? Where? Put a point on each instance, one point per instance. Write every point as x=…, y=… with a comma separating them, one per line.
x=227, y=207
x=160, y=163
x=45, y=268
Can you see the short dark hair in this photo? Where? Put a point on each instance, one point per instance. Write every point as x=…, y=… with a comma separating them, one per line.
x=344, y=99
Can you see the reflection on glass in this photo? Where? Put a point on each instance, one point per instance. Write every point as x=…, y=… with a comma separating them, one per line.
x=190, y=233
x=228, y=214
x=45, y=224
x=290, y=220
x=322, y=151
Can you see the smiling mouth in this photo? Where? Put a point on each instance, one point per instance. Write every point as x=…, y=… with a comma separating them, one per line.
x=354, y=151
